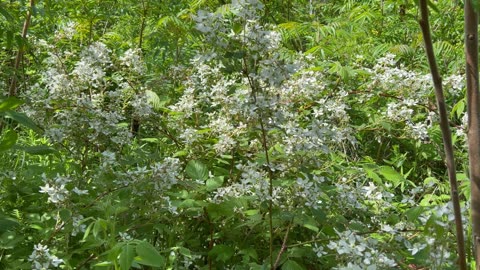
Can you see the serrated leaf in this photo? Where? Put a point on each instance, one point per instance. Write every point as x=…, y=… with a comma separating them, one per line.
x=127, y=256
x=154, y=100
x=148, y=255
x=8, y=141
x=196, y=170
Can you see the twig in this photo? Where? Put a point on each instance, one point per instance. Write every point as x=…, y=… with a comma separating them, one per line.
x=284, y=247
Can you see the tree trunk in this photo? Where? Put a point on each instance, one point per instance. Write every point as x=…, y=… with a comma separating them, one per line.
x=473, y=110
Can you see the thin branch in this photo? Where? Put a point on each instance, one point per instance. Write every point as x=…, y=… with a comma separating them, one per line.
x=284, y=247
x=21, y=50
x=446, y=134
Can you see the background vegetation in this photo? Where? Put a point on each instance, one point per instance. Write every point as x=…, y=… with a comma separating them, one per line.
x=248, y=134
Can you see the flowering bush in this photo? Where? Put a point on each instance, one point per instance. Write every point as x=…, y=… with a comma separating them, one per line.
x=259, y=157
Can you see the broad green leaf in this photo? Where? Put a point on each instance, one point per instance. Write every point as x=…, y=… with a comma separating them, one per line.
x=99, y=226
x=65, y=214
x=311, y=227
x=39, y=150
x=7, y=223
x=307, y=222
x=413, y=213
x=148, y=255
x=458, y=109
x=372, y=174
x=8, y=141
x=196, y=170
x=126, y=256
x=9, y=103
x=391, y=175
x=222, y=252
x=24, y=120
x=214, y=183
x=9, y=239
x=292, y=265
x=250, y=252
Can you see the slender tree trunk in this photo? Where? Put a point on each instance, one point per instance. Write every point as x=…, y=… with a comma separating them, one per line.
x=21, y=50
x=473, y=110
x=446, y=134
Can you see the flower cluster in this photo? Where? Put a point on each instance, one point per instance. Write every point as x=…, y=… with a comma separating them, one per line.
x=91, y=102
x=42, y=259
x=55, y=188
x=361, y=250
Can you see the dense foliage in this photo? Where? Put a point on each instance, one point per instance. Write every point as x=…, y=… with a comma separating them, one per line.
x=227, y=135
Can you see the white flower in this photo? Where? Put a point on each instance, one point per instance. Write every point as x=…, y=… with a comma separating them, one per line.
x=79, y=191
x=132, y=58
x=42, y=259
x=78, y=226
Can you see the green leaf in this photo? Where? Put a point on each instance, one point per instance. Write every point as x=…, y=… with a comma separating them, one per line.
x=151, y=140
x=103, y=264
x=9, y=103
x=87, y=231
x=391, y=175
x=148, y=255
x=196, y=170
x=5, y=13
x=126, y=256
x=181, y=153
x=10, y=240
x=222, y=252
x=7, y=223
x=65, y=214
x=214, y=183
x=155, y=100
x=99, y=226
x=372, y=174
x=24, y=120
x=39, y=150
x=292, y=265
x=435, y=8
x=9, y=139
x=458, y=109
x=413, y=213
